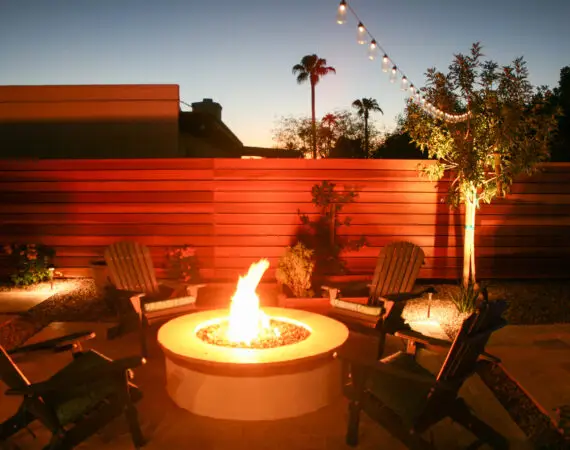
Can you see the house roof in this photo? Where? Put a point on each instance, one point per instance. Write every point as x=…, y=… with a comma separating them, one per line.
x=205, y=126
x=271, y=152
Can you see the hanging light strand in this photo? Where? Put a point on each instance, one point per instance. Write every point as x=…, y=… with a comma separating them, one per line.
x=389, y=65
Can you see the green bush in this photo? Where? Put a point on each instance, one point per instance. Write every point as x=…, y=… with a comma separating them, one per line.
x=31, y=263
x=296, y=269
x=182, y=264
x=321, y=234
x=466, y=299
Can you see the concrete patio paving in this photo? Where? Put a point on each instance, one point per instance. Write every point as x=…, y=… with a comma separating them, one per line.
x=167, y=426
x=19, y=300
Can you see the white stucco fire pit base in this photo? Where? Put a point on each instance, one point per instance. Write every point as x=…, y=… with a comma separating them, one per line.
x=252, y=384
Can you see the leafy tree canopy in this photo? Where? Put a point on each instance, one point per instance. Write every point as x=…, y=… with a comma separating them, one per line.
x=294, y=133
x=508, y=132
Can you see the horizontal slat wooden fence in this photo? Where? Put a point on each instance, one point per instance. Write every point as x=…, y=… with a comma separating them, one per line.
x=236, y=211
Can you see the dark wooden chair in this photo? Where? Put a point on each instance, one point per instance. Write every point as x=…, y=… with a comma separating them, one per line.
x=377, y=308
x=133, y=279
x=78, y=400
x=407, y=400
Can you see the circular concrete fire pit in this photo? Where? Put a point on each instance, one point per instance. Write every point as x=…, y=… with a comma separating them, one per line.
x=226, y=382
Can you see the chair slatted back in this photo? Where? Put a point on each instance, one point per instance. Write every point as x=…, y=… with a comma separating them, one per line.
x=396, y=270
x=10, y=373
x=130, y=267
x=461, y=360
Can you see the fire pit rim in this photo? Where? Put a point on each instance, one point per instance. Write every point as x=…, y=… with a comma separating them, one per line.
x=178, y=340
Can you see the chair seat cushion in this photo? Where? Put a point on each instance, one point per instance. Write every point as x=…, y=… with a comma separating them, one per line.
x=79, y=399
x=404, y=396
x=357, y=307
x=168, y=303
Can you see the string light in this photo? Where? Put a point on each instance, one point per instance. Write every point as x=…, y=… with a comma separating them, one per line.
x=393, y=74
x=372, y=50
x=341, y=13
x=387, y=63
x=361, y=34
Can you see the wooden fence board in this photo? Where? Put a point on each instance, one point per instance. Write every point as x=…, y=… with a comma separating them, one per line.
x=236, y=211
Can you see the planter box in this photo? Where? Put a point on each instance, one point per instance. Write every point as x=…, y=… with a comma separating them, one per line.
x=100, y=276
x=316, y=304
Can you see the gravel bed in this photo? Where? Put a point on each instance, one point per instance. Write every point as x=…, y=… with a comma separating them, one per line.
x=76, y=301
x=529, y=303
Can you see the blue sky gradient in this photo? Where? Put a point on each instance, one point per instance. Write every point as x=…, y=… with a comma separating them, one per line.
x=240, y=52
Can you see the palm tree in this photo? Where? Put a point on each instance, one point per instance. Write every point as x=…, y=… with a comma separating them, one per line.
x=363, y=107
x=312, y=68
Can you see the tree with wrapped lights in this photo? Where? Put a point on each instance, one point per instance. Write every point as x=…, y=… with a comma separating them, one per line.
x=506, y=132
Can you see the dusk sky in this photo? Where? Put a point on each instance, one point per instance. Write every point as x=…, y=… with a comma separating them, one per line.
x=240, y=52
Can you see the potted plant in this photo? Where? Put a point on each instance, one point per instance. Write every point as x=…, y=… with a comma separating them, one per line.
x=33, y=263
x=294, y=276
x=321, y=234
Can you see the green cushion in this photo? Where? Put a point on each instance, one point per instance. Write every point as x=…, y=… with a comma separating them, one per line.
x=79, y=399
x=404, y=396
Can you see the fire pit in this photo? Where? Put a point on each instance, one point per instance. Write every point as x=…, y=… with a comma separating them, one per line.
x=248, y=363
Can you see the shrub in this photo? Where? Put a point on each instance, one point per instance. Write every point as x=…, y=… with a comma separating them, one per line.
x=182, y=264
x=465, y=300
x=296, y=269
x=321, y=234
x=32, y=263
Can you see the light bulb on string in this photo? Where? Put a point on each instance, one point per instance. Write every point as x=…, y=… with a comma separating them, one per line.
x=404, y=84
x=372, y=50
x=393, y=74
x=341, y=13
x=418, y=98
x=412, y=90
x=385, y=63
x=361, y=34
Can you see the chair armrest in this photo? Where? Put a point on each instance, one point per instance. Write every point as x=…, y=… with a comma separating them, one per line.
x=491, y=358
x=125, y=292
x=377, y=366
x=333, y=292
x=438, y=345
x=55, y=344
x=192, y=289
x=81, y=377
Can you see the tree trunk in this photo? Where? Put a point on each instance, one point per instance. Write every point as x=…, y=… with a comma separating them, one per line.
x=314, y=121
x=332, y=224
x=469, y=239
x=366, y=134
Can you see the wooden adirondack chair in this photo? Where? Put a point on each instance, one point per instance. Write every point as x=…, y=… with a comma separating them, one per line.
x=132, y=274
x=77, y=401
x=394, y=277
x=406, y=399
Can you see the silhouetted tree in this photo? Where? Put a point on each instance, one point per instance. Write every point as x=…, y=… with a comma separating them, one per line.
x=561, y=99
x=399, y=145
x=347, y=148
x=363, y=108
x=312, y=69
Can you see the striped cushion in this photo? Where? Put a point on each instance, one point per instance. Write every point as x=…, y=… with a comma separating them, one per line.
x=357, y=307
x=170, y=303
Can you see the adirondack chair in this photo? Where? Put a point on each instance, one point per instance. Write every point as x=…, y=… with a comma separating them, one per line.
x=132, y=275
x=394, y=277
x=78, y=400
x=407, y=400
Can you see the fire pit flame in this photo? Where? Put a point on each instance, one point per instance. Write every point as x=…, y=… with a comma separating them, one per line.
x=246, y=320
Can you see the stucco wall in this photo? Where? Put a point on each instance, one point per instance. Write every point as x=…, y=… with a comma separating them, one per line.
x=97, y=121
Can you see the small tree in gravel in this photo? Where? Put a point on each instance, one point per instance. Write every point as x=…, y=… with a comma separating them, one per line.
x=507, y=133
